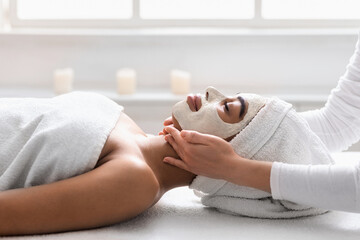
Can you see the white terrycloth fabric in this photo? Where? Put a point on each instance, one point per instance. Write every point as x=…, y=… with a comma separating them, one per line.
x=277, y=133
x=46, y=140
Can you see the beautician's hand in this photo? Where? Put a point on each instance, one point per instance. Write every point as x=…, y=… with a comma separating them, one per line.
x=167, y=122
x=201, y=154
x=213, y=157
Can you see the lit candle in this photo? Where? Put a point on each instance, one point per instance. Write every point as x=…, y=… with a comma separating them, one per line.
x=63, y=80
x=180, y=82
x=126, y=81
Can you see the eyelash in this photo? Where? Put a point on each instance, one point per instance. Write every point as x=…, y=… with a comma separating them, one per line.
x=226, y=106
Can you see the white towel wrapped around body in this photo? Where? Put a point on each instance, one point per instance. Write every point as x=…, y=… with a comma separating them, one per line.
x=47, y=140
x=276, y=133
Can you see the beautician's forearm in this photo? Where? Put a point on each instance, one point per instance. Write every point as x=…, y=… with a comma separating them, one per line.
x=332, y=187
x=250, y=173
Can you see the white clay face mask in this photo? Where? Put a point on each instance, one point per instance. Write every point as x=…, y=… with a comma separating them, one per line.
x=207, y=120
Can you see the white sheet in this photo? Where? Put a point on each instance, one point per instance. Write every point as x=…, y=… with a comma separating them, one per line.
x=180, y=215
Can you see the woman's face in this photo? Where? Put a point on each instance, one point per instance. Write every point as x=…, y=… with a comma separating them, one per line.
x=214, y=113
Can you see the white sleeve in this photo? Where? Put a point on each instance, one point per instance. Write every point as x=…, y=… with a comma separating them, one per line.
x=338, y=122
x=333, y=187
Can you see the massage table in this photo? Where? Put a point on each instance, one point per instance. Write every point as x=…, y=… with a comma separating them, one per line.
x=180, y=215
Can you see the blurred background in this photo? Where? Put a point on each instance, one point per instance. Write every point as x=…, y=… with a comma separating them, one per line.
x=294, y=49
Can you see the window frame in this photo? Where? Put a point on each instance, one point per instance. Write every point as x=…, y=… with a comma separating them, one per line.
x=137, y=22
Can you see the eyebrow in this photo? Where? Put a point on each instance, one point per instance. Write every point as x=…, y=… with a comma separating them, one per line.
x=242, y=111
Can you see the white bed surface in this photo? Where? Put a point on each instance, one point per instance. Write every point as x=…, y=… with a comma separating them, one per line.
x=180, y=215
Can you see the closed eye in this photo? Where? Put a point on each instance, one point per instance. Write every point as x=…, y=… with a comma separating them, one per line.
x=226, y=106
x=242, y=101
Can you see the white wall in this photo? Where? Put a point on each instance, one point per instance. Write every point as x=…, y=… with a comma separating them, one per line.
x=260, y=63
x=291, y=64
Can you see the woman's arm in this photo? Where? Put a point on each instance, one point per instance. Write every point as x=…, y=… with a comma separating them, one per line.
x=333, y=187
x=338, y=122
x=113, y=192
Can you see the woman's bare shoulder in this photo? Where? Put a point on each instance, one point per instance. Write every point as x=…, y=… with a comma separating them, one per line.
x=133, y=176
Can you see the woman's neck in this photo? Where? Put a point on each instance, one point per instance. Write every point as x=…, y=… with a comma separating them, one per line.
x=154, y=149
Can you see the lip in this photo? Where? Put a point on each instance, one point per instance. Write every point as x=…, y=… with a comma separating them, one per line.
x=194, y=102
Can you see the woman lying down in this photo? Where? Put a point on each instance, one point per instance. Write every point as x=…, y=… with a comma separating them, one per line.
x=77, y=161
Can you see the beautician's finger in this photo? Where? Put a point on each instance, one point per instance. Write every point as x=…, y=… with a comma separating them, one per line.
x=168, y=121
x=176, y=162
x=169, y=138
x=175, y=134
x=164, y=132
x=174, y=145
x=198, y=138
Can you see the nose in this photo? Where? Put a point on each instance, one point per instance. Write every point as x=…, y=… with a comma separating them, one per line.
x=212, y=94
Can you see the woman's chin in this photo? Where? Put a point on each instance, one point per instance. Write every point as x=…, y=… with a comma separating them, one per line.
x=228, y=139
x=176, y=123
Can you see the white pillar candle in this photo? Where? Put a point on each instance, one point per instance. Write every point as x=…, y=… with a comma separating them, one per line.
x=180, y=82
x=63, y=80
x=126, y=81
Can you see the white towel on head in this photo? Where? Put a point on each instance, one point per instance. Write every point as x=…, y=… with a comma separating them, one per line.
x=276, y=133
x=47, y=140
